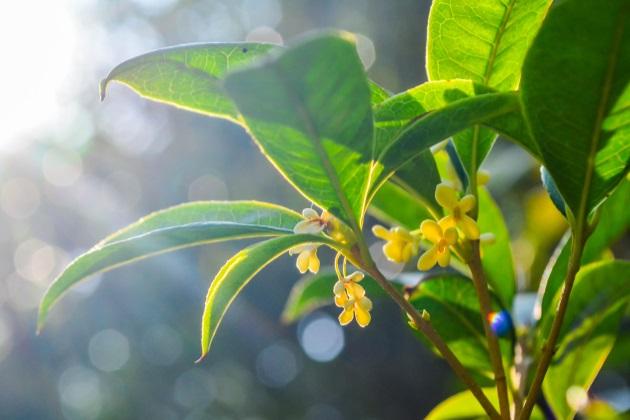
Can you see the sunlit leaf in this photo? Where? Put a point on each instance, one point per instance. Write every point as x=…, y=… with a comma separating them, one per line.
x=497, y=257
x=452, y=303
x=235, y=275
x=464, y=406
x=598, y=301
x=314, y=124
x=576, y=94
x=395, y=206
x=177, y=227
x=484, y=41
x=188, y=76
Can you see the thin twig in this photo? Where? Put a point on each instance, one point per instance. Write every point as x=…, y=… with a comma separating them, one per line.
x=432, y=335
x=481, y=287
x=550, y=345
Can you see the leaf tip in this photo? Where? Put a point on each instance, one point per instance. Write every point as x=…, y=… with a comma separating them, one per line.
x=102, y=88
x=202, y=357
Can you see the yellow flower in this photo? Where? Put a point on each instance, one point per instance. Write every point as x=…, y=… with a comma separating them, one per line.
x=400, y=244
x=442, y=238
x=312, y=224
x=447, y=197
x=307, y=258
x=350, y=296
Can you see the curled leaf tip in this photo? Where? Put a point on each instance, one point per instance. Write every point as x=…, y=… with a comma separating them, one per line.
x=102, y=89
x=202, y=357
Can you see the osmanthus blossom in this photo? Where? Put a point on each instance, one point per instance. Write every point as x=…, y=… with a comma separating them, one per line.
x=307, y=259
x=400, y=246
x=442, y=239
x=350, y=296
x=448, y=197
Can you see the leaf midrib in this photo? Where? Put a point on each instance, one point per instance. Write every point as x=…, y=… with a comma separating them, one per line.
x=311, y=131
x=601, y=109
x=497, y=42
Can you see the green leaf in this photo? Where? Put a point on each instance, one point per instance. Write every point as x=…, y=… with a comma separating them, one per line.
x=235, y=275
x=177, y=227
x=395, y=206
x=188, y=76
x=501, y=111
x=315, y=291
x=452, y=303
x=552, y=190
x=486, y=42
x=314, y=124
x=464, y=406
x=497, y=258
x=576, y=97
x=614, y=221
x=598, y=301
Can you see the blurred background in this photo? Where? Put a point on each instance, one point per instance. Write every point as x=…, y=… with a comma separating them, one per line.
x=72, y=170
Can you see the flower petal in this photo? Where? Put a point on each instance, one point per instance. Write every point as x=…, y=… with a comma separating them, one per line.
x=431, y=231
x=346, y=316
x=339, y=288
x=444, y=258
x=363, y=316
x=313, y=262
x=309, y=213
x=450, y=235
x=469, y=227
x=447, y=222
x=356, y=291
x=446, y=196
x=392, y=251
x=428, y=259
x=365, y=304
x=356, y=277
x=467, y=203
x=341, y=300
x=302, y=262
x=381, y=232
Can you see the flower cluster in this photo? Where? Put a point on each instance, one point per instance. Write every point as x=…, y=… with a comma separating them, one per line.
x=401, y=245
x=350, y=296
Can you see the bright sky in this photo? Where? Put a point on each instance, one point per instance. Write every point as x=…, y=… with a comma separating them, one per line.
x=38, y=41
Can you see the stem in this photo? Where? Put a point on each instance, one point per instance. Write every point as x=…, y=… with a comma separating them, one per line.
x=432, y=335
x=481, y=287
x=549, y=348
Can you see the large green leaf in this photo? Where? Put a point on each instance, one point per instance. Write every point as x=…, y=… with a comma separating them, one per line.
x=614, y=221
x=188, y=76
x=576, y=97
x=484, y=41
x=177, y=227
x=454, y=308
x=464, y=406
x=315, y=291
x=191, y=76
x=599, y=299
x=497, y=258
x=314, y=124
x=235, y=275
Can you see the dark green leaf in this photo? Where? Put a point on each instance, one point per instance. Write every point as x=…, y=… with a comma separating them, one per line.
x=235, y=275
x=177, y=227
x=314, y=124
x=576, y=93
x=598, y=301
x=552, y=190
x=452, y=303
x=315, y=291
x=614, y=221
x=497, y=258
x=188, y=76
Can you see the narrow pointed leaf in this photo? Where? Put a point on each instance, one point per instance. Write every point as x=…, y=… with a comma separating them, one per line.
x=235, y=275
x=188, y=76
x=599, y=299
x=314, y=124
x=177, y=227
x=576, y=93
x=497, y=257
